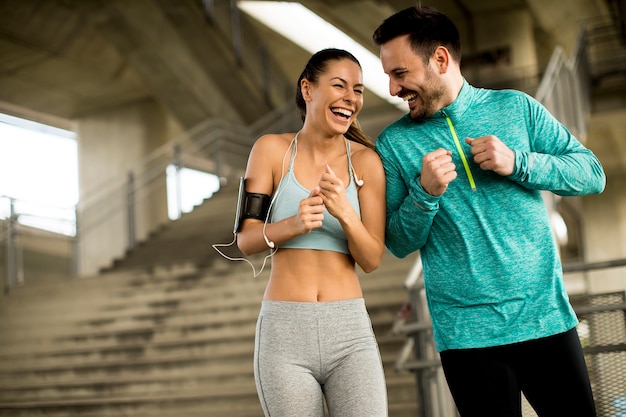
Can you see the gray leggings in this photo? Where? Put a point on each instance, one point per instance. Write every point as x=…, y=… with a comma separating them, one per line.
x=305, y=352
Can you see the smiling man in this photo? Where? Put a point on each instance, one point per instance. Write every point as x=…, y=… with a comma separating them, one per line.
x=464, y=171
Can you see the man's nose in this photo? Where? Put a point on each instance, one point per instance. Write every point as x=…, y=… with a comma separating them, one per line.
x=394, y=87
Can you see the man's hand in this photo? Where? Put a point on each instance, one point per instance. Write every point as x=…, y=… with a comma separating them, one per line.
x=492, y=155
x=438, y=171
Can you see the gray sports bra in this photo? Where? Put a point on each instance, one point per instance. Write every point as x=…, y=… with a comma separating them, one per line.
x=288, y=195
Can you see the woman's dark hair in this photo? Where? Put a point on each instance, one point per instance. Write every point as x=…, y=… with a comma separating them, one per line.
x=427, y=29
x=317, y=65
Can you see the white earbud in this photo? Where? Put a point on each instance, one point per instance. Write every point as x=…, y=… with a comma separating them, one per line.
x=269, y=242
x=358, y=181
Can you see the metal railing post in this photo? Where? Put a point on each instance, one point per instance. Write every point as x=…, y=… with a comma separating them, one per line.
x=11, y=251
x=75, y=252
x=179, y=183
x=236, y=32
x=130, y=206
x=219, y=163
x=419, y=349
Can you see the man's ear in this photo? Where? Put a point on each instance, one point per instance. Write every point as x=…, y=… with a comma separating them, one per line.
x=441, y=57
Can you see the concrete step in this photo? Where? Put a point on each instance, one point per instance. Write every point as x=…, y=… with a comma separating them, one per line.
x=181, y=405
x=399, y=386
x=112, y=296
x=232, y=365
x=180, y=334
x=134, y=396
x=229, y=400
x=175, y=277
x=232, y=346
x=144, y=335
x=149, y=311
x=190, y=328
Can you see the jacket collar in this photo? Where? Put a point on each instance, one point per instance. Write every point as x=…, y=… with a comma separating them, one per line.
x=460, y=104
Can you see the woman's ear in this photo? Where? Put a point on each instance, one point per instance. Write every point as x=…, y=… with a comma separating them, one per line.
x=305, y=87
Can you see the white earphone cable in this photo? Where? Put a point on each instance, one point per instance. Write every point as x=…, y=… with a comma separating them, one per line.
x=269, y=243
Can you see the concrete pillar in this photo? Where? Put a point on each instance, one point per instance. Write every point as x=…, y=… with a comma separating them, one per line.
x=113, y=146
x=511, y=30
x=604, y=215
x=605, y=234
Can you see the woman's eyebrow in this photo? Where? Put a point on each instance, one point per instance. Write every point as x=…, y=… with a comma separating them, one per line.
x=346, y=82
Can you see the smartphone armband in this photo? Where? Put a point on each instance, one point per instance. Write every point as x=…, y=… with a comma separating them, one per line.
x=250, y=206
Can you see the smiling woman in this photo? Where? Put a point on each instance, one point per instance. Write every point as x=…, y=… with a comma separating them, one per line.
x=39, y=173
x=325, y=188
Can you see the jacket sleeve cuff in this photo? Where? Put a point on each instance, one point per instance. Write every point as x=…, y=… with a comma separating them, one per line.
x=523, y=165
x=422, y=199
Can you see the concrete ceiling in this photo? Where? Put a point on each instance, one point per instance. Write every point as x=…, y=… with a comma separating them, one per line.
x=63, y=59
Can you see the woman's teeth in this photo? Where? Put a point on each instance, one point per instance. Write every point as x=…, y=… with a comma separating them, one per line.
x=342, y=112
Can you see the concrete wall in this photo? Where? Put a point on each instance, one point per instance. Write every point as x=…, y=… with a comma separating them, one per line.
x=500, y=49
x=111, y=145
x=513, y=29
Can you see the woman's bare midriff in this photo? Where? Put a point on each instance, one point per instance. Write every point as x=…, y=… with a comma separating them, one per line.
x=312, y=275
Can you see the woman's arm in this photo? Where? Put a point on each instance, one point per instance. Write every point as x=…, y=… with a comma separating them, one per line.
x=366, y=235
x=263, y=174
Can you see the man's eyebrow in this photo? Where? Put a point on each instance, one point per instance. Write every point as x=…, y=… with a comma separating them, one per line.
x=397, y=70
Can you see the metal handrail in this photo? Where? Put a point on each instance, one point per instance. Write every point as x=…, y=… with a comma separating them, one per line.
x=9, y=231
x=589, y=266
x=15, y=213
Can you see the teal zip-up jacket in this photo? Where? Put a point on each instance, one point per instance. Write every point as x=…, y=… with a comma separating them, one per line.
x=492, y=271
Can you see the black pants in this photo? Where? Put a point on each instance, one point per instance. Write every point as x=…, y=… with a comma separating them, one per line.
x=551, y=372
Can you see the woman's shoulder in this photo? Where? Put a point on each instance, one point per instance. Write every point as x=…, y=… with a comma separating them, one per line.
x=274, y=139
x=272, y=144
x=360, y=152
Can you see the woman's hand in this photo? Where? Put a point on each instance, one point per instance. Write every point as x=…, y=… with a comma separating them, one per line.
x=310, y=212
x=333, y=193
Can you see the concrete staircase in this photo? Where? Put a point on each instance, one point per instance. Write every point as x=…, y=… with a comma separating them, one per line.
x=176, y=341
x=188, y=239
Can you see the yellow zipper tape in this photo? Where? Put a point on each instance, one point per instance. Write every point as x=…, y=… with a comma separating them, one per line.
x=470, y=177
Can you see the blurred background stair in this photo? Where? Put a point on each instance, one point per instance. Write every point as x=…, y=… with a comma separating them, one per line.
x=161, y=335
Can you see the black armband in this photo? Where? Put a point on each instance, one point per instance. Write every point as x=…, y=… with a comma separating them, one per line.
x=250, y=205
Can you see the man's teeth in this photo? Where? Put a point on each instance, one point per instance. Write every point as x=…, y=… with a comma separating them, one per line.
x=343, y=112
x=408, y=97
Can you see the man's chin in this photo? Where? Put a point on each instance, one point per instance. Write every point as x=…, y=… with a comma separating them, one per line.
x=421, y=112
x=416, y=114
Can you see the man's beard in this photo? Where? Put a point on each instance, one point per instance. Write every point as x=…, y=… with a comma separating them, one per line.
x=430, y=98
